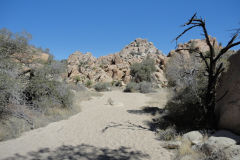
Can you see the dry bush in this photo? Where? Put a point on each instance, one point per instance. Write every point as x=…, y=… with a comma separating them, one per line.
x=145, y=87
x=25, y=97
x=102, y=86
x=185, y=109
x=41, y=92
x=186, y=70
x=143, y=71
x=167, y=134
x=142, y=87
x=185, y=151
x=131, y=87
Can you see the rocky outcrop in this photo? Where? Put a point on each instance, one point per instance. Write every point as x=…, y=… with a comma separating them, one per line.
x=196, y=44
x=228, y=108
x=115, y=67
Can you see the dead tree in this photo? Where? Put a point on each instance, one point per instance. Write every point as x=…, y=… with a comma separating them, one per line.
x=210, y=60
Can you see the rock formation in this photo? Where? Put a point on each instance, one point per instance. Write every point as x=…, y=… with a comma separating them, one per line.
x=115, y=67
x=199, y=44
x=228, y=108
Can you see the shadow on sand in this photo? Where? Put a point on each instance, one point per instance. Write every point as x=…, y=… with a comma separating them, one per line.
x=147, y=110
x=82, y=152
x=152, y=124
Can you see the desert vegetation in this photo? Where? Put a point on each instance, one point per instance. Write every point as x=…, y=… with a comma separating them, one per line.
x=36, y=89
x=141, y=76
x=33, y=91
x=142, y=71
x=194, y=77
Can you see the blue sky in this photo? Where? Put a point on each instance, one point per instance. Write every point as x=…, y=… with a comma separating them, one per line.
x=106, y=26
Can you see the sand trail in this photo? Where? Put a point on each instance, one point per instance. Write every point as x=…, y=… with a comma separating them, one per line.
x=100, y=131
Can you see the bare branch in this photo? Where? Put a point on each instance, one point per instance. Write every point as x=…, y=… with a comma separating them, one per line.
x=205, y=60
x=225, y=49
x=219, y=99
x=208, y=40
x=219, y=70
x=232, y=40
x=186, y=31
x=190, y=21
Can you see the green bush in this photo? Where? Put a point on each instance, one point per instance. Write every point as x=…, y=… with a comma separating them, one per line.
x=131, y=87
x=142, y=71
x=11, y=43
x=10, y=84
x=142, y=87
x=89, y=83
x=44, y=91
x=101, y=86
x=116, y=83
x=145, y=87
x=185, y=111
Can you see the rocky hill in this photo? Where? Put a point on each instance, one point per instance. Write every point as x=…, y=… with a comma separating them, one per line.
x=115, y=67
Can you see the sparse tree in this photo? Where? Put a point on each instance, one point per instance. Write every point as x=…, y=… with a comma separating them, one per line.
x=213, y=64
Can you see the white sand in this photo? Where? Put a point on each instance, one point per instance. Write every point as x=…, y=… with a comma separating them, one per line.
x=99, y=125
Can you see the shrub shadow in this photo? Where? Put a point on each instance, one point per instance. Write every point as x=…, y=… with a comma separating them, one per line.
x=147, y=110
x=83, y=151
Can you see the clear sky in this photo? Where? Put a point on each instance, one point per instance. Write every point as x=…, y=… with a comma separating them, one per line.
x=106, y=26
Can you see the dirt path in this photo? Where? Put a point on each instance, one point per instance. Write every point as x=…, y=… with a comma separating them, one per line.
x=101, y=131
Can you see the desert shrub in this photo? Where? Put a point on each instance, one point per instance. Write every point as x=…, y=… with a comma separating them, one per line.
x=102, y=86
x=89, y=83
x=44, y=91
x=142, y=71
x=145, y=87
x=10, y=84
x=11, y=43
x=142, y=87
x=131, y=87
x=116, y=83
x=185, y=111
x=167, y=134
x=186, y=108
x=183, y=71
x=186, y=151
x=77, y=79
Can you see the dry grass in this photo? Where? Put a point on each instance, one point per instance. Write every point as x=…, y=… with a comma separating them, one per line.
x=185, y=151
x=168, y=134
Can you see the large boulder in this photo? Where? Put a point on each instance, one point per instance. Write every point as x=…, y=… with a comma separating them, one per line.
x=228, y=108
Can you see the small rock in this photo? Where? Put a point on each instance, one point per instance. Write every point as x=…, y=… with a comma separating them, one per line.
x=195, y=137
x=219, y=142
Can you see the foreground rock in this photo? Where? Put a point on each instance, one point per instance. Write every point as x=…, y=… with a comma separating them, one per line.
x=195, y=137
x=223, y=143
x=115, y=67
x=228, y=108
